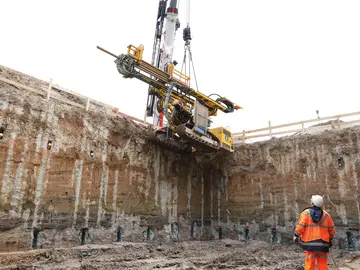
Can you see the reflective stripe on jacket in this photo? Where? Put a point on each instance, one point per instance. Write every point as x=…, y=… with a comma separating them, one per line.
x=315, y=237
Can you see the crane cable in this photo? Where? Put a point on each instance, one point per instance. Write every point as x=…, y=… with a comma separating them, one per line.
x=187, y=48
x=184, y=62
x=192, y=63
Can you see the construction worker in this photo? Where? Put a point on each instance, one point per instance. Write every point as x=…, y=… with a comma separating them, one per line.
x=315, y=229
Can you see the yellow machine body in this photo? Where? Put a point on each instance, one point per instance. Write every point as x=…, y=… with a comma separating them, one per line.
x=132, y=65
x=224, y=136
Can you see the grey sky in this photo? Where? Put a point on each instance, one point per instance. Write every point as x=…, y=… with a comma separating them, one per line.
x=280, y=60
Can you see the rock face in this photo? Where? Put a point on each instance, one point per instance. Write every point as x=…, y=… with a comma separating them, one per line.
x=70, y=177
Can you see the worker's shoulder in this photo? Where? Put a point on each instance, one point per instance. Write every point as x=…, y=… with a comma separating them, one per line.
x=306, y=211
x=326, y=213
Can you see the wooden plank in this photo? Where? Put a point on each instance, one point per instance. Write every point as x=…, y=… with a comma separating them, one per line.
x=82, y=96
x=40, y=92
x=267, y=134
x=318, y=119
x=252, y=131
x=270, y=130
x=49, y=90
x=251, y=137
x=300, y=122
x=287, y=131
x=337, y=116
x=319, y=128
x=69, y=102
x=133, y=118
x=350, y=122
x=46, y=94
x=58, y=87
x=239, y=138
x=280, y=132
x=87, y=104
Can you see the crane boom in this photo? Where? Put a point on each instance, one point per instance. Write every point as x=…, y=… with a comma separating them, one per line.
x=171, y=25
x=155, y=60
x=167, y=18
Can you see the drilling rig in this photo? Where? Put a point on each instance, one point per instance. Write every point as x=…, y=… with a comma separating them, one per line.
x=186, y=111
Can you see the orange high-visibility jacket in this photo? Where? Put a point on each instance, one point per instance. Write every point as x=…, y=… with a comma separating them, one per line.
x=315, y=237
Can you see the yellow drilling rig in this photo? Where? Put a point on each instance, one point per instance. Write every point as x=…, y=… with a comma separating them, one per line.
x=186, y=110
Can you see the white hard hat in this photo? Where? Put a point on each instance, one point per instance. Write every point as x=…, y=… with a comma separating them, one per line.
x=317, y=200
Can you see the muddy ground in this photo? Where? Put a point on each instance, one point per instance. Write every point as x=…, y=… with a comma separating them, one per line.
x=221, y=254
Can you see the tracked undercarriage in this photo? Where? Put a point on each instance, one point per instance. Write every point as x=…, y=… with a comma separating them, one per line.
x=173, y=143
x=184, y=139
x=207, y=143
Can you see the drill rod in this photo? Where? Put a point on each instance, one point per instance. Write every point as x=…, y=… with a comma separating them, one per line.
x=101, y=49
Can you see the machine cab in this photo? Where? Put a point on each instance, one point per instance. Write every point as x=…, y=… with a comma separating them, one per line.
x=224, y=136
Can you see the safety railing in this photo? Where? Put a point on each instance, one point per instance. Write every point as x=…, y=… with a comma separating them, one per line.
x=136, y=52
x=52, y=91
x=334, y=122
x=178, y=76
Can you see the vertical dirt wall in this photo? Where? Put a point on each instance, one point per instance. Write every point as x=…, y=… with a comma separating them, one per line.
x=130, y=190
x=270, y=183
x=133, y=190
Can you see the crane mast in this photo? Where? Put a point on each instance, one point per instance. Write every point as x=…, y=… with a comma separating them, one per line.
x=167, y=18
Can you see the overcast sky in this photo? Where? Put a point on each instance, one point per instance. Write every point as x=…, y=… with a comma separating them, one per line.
x=280, y=60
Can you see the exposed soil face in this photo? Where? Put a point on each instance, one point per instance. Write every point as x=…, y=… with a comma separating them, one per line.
x=271, y=182
x=127, y=183
x=59, y=198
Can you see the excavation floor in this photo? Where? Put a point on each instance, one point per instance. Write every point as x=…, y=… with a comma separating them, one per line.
x=223, y=254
